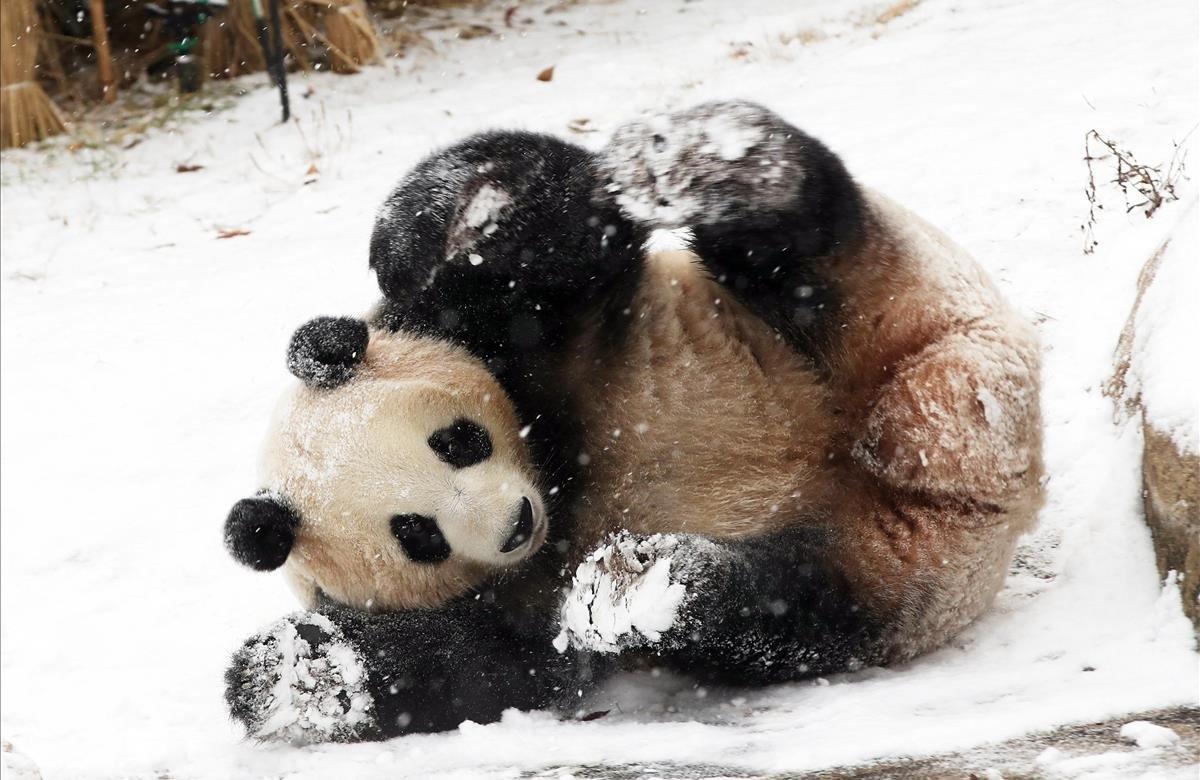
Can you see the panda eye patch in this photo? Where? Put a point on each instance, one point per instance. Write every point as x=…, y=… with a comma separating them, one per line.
x=461, y=444
x=421, y=538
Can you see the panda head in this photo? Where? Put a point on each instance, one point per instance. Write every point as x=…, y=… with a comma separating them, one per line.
x=393, y=475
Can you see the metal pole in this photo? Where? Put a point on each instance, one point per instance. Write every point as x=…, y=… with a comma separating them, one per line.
x=271, y=42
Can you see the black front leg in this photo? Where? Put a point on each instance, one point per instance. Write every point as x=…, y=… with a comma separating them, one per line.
x=344, y=675
x=740, y=611
x=498, y=242
x=766, y=203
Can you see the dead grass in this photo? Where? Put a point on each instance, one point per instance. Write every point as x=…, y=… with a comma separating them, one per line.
x=26, y=113
x=1143, y=187
x=337, y=34
x=804, y=37
x=781, y=46
x=895, y=11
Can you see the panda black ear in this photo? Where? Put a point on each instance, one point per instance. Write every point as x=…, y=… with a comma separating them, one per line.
x=259, y=532
x=324, y=352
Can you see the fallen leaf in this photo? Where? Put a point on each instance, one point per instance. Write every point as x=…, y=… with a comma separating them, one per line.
x=594, y=715
x=312, y=170
x=581, y=125
x=232, y=233
x=740, y=51
x=509, y=14
x=187, y=168
x=474, y=31
x=546, y=74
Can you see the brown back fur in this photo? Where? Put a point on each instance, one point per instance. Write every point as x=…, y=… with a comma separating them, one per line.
x=703, y=422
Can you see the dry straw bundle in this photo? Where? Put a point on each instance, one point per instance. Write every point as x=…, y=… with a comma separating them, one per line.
x=339, y=30
x=351, y=37
x=26, y=113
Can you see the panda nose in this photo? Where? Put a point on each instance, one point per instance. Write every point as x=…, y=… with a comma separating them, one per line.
x=522, y=527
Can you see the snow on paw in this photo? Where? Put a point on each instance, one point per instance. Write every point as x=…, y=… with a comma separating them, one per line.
x=300, y=681
x=626, y=594
x=705, y=164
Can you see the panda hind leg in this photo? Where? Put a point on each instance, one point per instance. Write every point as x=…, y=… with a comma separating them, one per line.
x=736, y=611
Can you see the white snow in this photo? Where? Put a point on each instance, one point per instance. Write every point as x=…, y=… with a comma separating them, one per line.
x=142, y=354
x=993, y=413
x=615, y=599
x=485, y=208
x=730, y=139
x=647, y=153
x=1109, y=765
x=15, y=765
x=1148, y=735
x=1164, y=370
x=305, y=697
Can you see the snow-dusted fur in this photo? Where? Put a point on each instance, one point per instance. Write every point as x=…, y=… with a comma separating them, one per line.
x=668, y=172
x=310, y=683
x=816, y=434
x=623, y=593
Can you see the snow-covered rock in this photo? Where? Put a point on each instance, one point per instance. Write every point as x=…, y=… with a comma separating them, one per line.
x=1158, y=379
x=1148, y=735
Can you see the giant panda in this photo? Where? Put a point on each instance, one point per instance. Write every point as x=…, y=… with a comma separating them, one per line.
x=804, y=444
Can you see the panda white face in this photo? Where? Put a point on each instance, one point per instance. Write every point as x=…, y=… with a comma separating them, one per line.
x=409, y=485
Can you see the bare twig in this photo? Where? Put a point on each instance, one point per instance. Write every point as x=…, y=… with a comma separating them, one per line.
x=1145, y=187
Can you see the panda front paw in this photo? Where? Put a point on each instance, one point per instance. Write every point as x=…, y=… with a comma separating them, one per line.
x=709, y=164
x=632, y=592
x=300, y=681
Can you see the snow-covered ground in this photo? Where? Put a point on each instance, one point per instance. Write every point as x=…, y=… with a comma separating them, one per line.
x=141, y=356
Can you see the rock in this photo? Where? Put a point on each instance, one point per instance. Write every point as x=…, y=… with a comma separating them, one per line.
x=1148, y=735
x=1171, y=495
x=1157, y=380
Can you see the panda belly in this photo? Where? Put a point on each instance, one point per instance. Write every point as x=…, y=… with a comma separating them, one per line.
x=699, y=420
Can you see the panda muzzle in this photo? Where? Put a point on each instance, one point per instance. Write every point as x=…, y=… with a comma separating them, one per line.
x=522, y=527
